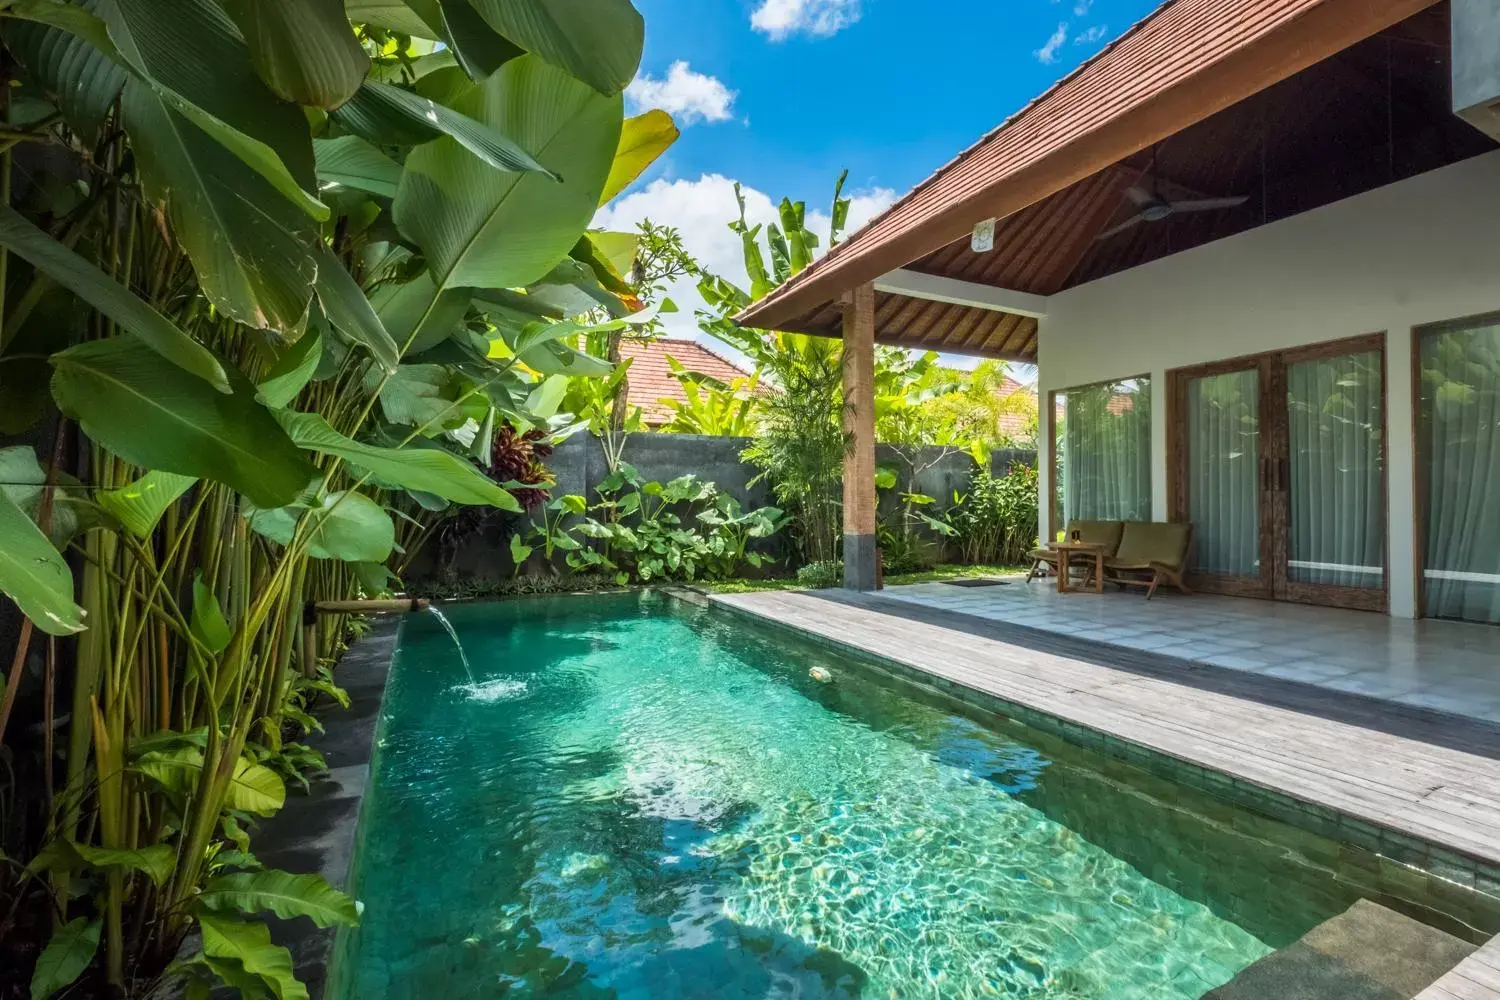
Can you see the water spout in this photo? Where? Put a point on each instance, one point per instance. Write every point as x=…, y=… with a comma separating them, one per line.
x=453, y=633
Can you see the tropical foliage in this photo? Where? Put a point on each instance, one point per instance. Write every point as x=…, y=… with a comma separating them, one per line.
x=995, y=520
x=286, y=269
x=708, y=406
x=800, y=449
x=640, y=531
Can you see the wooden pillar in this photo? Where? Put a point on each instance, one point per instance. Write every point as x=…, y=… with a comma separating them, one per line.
x=859, y=439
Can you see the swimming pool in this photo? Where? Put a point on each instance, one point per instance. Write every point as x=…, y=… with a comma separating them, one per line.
x=638, y=798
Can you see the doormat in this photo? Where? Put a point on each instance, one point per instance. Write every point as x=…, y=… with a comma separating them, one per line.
x=981, y=582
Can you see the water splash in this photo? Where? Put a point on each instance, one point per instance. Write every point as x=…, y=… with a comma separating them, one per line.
x=501, y=689
x=453, y=633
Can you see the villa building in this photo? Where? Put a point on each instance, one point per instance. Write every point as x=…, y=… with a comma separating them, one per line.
x=1253, y=247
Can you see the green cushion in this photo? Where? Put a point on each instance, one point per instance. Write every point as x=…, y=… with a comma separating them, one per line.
x=1105, y=533
x=1147, y=542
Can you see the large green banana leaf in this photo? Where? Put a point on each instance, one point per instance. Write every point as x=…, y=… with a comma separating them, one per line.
x=485, y=229
x=304, y=50
x=253, y=250
x=157, y=416
x=33, y=574
x=292, y=371
x=183, y=47
x=383, y=113
x=598, y=41
x=417, y=315
x=352, y=162
x=642, y=139
x=83, y=80
x=394, y=15
x=141, y=504
x=479, y=49
x=249, y=945
x=344, y=525
x=349, y=310
x=430, y=470
x=114, y=300
x=281, y=893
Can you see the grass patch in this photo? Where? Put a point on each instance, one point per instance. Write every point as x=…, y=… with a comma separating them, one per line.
x=935, y=575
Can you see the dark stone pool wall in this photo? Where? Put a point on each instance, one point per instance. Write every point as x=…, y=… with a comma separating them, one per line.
x=315, y=831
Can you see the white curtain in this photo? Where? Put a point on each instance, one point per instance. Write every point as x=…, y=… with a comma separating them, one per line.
x=1105, y=449
x=1458, y=449
x=1223, y=480
x=1335, y=425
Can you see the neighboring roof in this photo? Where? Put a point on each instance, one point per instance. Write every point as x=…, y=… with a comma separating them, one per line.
x=1186, y=61
x=1011, y=424
x=650, y=377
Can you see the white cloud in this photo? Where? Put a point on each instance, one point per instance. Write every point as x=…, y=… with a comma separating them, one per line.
x=780, y=19
x=684, y=94
x=1048, y=53
x=1092, y=35
x=1081, y=7
x=701, y=210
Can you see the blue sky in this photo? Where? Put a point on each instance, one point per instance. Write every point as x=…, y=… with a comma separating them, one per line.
x=781, y=95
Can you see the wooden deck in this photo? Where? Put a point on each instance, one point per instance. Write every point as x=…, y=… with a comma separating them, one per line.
x=1475, y=978
x=1446, y=793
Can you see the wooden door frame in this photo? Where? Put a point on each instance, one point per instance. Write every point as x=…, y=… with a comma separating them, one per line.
x=1271, y=366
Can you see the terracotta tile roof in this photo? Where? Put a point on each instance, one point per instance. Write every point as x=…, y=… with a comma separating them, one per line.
x=1013, y=425
x=650, y=378
x=1181, y=64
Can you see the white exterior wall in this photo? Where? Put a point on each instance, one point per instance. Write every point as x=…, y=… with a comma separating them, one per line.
x=1419, y=251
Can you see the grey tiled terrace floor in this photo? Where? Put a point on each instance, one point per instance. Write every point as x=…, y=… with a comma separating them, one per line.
x=1448, y=666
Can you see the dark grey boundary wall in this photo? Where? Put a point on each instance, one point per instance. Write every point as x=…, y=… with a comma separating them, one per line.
x=578, y=463
x=316, y=831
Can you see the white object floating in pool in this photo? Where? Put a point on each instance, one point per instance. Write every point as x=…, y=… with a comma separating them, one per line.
x=821, y=675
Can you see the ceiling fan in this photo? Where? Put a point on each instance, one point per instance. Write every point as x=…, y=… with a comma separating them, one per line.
x=1152, y=206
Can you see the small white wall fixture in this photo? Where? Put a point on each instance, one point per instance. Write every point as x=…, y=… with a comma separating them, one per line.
x=936, y=288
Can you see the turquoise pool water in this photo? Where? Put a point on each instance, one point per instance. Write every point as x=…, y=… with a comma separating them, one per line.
x=639, y=799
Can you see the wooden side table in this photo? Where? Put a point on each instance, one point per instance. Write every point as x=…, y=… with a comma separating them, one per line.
x=1065, y=552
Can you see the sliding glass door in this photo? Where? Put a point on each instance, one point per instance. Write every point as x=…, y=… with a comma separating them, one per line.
x=1458, y=469
x=1335, y=489
x=1279, y=465
x=1223, y=453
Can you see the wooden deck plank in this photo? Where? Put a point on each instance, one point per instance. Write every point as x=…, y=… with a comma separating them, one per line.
x=1475, y=978
x=1437, y=793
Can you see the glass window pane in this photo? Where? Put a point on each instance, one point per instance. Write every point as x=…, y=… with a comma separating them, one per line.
x=1458, y=455
x=1223, y=414
x=1104, y=449
x=1337, y=494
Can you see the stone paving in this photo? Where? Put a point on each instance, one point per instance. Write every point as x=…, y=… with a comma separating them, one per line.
x=1443, y=665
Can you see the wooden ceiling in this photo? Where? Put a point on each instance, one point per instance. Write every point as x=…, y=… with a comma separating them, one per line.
x=1376, y=112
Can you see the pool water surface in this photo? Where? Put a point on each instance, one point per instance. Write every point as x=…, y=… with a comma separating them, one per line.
x=636, y=798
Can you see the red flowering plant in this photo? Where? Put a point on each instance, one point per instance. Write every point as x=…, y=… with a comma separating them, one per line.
x=518, y=462
x=519, y=457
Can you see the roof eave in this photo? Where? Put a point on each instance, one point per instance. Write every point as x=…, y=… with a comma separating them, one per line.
x=1301, y=41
